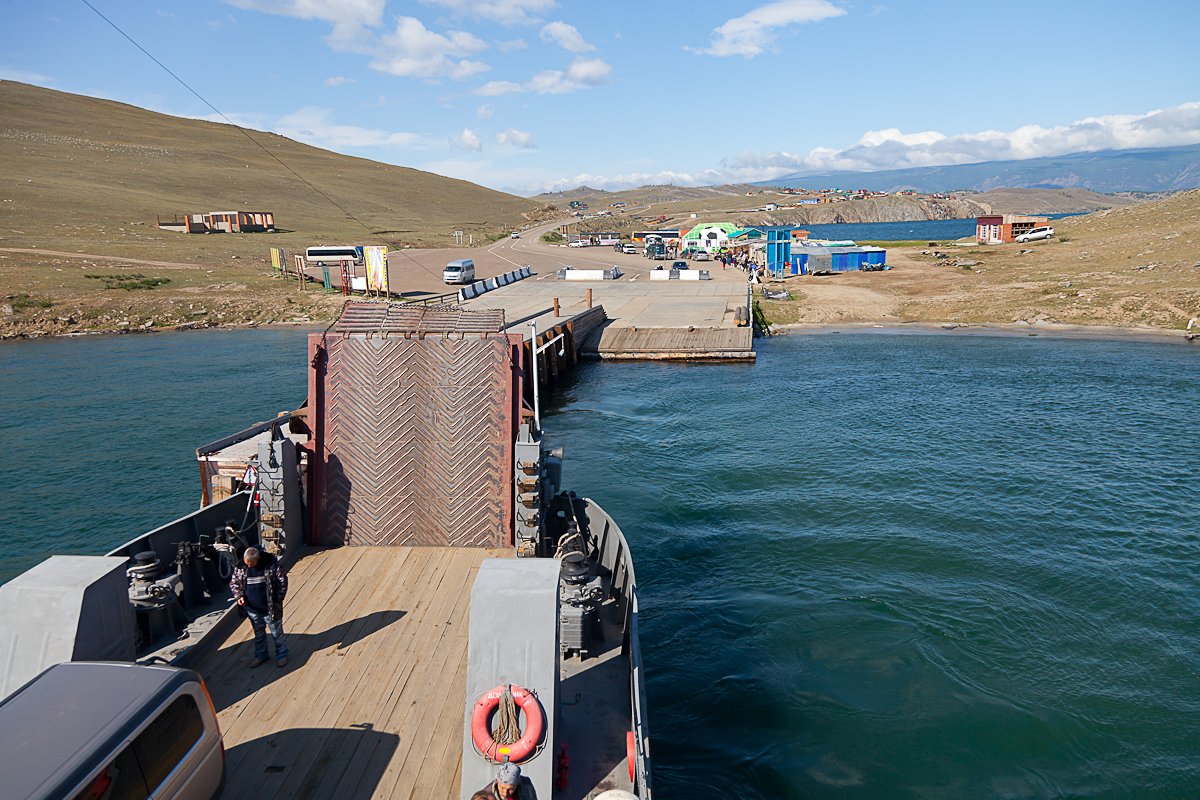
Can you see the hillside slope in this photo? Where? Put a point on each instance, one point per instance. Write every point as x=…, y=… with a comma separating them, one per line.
x=1048, y=201
x=1133, y=267
x=75, y=168
x=1164, y=169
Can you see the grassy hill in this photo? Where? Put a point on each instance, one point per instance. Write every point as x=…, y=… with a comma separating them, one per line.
x=77, y=168
x=89, y=176
x=1137, y=266
x=1048, y=201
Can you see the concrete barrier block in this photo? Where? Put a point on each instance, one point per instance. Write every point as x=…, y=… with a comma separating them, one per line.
x=660, y=274
x=583, y=274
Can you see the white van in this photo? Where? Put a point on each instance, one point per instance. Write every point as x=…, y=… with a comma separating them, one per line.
x=460, y=271
x=106, y=730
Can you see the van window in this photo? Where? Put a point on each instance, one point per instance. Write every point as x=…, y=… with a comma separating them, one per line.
x=166, y=740
x=120, y=780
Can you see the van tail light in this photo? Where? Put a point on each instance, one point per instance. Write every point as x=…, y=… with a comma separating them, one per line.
x=213, y=708
x=208, y=697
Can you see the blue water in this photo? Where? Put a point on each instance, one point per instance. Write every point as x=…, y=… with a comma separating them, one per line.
x=870, y=566
x=99, y=434
x=921, y=230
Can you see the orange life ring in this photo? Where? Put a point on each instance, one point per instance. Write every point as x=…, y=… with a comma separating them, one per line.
x=481, y=730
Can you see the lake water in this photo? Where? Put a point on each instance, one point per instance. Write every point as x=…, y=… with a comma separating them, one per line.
x=935, y=230
x=871, y=566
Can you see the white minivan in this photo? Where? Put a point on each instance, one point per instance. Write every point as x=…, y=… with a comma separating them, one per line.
x=86, y=730
x=460, y=271
x=1044, y=232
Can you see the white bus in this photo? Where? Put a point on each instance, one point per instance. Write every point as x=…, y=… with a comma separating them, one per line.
x=328, y=255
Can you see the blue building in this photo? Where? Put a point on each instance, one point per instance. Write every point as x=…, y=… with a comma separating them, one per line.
x=824, y=260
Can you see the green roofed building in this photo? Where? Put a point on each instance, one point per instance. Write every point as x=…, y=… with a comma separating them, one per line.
x=709, y=236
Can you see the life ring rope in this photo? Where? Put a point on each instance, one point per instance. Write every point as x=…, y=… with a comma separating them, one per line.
x=523, y=749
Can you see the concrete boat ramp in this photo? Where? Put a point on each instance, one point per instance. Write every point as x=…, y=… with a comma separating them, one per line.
x=642, y=320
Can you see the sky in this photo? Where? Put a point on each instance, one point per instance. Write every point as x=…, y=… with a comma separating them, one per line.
x=542, y=95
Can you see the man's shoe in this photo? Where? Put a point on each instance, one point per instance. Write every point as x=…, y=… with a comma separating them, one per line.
x=256, y=662
x=281, y=662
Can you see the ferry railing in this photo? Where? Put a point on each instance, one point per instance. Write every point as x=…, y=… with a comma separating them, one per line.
x=613, y=553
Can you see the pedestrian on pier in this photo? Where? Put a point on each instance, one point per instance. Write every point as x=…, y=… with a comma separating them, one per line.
x=259, y=586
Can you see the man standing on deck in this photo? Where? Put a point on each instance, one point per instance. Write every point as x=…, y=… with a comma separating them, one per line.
x=509, y=785
x=259, y=587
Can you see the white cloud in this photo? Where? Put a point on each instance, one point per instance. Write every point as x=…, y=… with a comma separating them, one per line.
x=348, y=17
x=414, y=51
x=893, y=149
x=752, y=33
x=522, y=140
x=468, y=140
x=338, y=80
x=506, y=12
x=565, y=36
x=511, y=45
x=485, y=111
x=315, y=126
x=583, y=73
x=497, y=88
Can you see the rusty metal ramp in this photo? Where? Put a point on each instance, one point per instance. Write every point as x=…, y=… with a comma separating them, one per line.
x=415, y=414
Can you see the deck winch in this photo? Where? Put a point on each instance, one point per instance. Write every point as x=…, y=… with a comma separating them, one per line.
x=581, y=592
x=154, y=596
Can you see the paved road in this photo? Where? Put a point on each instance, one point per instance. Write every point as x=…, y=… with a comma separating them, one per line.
x=632, y=300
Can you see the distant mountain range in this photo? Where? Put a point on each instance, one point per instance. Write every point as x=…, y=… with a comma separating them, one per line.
x=1163, y=169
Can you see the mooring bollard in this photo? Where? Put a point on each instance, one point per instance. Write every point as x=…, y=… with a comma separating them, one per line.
x=588, y=298
x=556, y=307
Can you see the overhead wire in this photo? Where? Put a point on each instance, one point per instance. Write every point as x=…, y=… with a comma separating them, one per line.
x=241, y=130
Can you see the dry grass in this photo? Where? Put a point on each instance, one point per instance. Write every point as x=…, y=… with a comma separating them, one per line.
x=1129, y=267
x=83, y=175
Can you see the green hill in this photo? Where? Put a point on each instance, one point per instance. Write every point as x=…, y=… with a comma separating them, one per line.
x=78, y=168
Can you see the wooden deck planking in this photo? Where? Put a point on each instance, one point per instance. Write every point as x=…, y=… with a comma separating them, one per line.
x=371, y=703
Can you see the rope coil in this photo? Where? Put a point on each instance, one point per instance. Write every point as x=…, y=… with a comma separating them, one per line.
x=507, y=729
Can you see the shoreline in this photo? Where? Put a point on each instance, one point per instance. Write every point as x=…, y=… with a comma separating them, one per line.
x=1056, y=330
x=1029, y=329
x=243, y=326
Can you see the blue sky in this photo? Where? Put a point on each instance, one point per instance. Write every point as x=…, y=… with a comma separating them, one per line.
x=529, y=95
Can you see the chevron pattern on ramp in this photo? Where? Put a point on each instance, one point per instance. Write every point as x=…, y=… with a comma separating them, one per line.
x=418, y=441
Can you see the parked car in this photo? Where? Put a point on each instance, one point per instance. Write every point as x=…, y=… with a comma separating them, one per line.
x=459, y=271
x=1044, y=232
x=95, y=729
x=514, y=235
x=577, y=243
x=679, y=265
x=630, y=249
x=701, y=256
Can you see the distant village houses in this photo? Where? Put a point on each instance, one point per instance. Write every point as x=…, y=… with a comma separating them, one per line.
x=220, y=222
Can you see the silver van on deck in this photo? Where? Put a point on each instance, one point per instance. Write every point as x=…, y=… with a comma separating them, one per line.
x=87, y=730
x=460, y=271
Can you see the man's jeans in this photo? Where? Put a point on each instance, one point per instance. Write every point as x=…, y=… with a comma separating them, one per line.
x=260, y=622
